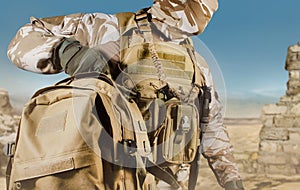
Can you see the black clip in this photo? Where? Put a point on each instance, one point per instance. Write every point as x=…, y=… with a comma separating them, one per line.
x=9, y=149
x=166, y=92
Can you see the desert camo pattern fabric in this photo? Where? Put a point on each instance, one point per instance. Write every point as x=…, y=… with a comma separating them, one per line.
x=217, y=148
x=33, y=49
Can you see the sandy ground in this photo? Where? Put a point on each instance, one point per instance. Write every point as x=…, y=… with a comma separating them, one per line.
x=2, y=184
x=244, y=135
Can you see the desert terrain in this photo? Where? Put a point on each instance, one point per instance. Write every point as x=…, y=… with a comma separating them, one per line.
x=244, y=134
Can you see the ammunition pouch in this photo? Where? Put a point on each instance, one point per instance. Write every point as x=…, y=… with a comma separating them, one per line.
x=178, y=137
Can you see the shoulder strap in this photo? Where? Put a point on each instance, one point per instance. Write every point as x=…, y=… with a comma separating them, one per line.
x=9, y=150
x=126, y=24
x=8, y=172
x=161, y=174
x=126, y=21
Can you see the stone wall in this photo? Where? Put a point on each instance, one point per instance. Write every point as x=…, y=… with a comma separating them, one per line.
x=8, y=127
x=279, y=148
x=5, y=106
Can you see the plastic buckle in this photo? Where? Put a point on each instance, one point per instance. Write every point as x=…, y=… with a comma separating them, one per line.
x=143, y=16
x=130, y=146
x=143, y=21
x=9, y=149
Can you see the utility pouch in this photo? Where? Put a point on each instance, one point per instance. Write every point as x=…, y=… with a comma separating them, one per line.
x=179, y=136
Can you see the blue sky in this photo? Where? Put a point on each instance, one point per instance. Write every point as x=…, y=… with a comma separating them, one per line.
x=249, y=40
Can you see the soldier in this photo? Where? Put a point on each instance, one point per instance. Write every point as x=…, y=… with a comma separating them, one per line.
x=91, y=42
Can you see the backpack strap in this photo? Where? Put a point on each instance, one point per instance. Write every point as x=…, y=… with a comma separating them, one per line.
x=8, y=173
x=126, y=25
x=126, y=22
x=140, y=131
x=162, y=174
x=9, y=151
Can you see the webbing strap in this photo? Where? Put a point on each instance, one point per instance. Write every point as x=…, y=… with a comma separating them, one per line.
x=8, y=172
x=140, y=131
x=161, y=174
x=194, y=171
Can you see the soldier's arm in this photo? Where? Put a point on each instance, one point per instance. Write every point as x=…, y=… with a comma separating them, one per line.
x=217, y=148
x=35, y=45
x=183, y=17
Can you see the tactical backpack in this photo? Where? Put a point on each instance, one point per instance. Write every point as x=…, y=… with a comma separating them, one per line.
x=68, y=129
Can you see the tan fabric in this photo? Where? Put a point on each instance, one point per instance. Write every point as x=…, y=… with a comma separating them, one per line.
x=50, y=146
x=149, y=63
x=216, y=143
x=187, y=16
x=33, y=46
x=57, y=145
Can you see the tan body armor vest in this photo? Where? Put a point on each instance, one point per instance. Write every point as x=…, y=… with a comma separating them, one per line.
x=177, y=62
x=150, y=65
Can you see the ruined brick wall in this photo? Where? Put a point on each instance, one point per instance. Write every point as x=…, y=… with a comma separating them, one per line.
x=5, y=107
x=279, y=148
x=8, y=127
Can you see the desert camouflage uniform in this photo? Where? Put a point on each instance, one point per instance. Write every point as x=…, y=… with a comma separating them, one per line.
x=33, y=47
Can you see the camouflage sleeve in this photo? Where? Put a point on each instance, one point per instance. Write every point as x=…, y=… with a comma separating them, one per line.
x=33, y=46
x=216, y=145
x=188, y=17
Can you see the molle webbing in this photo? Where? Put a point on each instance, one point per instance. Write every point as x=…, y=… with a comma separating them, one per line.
x=173, y=63
x=176, y=64
x=142, y=19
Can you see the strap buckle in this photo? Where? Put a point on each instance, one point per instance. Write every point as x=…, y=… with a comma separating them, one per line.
x=9, y=149
x=143, y=19
x=129, y=146
x=143, y=14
